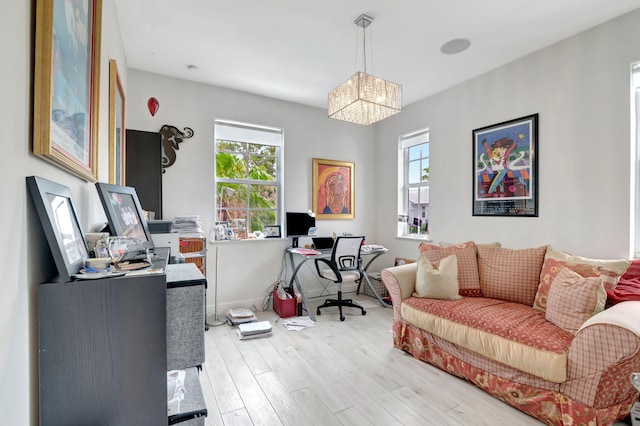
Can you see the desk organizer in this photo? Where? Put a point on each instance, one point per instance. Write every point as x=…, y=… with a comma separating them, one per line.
x=285, y=308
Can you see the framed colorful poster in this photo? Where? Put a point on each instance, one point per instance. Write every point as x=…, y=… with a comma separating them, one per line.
x=333, y=189
x=505, y=168
x=116, y=126
x=67, y=84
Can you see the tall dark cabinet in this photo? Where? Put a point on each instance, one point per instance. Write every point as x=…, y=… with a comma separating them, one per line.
x=143, y=169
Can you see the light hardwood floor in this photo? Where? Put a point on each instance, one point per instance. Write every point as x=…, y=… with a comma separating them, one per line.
x=336, y=373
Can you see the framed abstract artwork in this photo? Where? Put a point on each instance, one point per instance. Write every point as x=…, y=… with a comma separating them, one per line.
x=67, y=84
x=117, y=132
x=505, y=168
x=333, y=189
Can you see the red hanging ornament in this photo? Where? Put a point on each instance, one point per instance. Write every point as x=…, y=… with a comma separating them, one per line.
x=153, y=106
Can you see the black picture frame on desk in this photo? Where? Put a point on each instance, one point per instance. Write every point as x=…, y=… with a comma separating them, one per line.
x=59, y=221
x=124, y=212
x=272, y=231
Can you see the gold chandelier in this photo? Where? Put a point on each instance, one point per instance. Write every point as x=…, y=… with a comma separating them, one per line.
x=363, y=98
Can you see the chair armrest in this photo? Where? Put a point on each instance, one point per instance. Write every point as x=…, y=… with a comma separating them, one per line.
x=331, y=265
x=400, y=282
x=606, y=350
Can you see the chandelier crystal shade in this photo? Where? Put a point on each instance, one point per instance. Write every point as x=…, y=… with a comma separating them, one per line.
x=365, y=99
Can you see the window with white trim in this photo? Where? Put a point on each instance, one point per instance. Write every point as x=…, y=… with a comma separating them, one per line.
x=248, y=189
x=635, y=150
x=413, y=155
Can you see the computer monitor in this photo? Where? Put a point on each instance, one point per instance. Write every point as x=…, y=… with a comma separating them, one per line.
x=124, y=214
x=298, y=225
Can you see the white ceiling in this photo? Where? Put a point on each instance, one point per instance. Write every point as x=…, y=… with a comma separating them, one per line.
x=299, y=50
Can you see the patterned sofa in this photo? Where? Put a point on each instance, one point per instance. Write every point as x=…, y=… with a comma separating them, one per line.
x=527, y=326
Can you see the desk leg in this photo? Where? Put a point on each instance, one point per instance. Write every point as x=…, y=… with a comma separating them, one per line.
x=294, y=278
x=366, y=277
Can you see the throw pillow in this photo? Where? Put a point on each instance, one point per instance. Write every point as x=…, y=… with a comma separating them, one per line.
x=628, y=287
x=467, y=256
x=510, y=275
x=437, y=281
x=609, y=270
x=573, y=299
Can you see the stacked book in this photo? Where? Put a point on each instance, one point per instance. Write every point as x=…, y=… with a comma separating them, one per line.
x=238, y=316
x=254, y=329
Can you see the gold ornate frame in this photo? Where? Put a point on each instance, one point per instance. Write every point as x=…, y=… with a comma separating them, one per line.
x=117, y=133
x=333, y=189
x=65, y=121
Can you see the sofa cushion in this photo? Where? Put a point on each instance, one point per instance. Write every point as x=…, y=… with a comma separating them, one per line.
x=437, y=281
x=628, y=288
x=511, y=333
x=573, y=299
x=609, y=270
x=493, y=244
x=467, y=256
x=510, y=275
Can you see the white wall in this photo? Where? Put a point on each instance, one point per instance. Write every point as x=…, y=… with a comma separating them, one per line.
x=580, y=88
x=25, y=260
x=248, y=268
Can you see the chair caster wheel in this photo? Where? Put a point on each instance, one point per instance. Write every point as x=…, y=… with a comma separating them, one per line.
x=318, y=312
x=341, y=318
x=364, y=312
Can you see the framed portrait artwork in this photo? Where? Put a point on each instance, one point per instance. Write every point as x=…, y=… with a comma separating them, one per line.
x=333, y=189
x=116, y=126
x=505, y=168
x=67, y=84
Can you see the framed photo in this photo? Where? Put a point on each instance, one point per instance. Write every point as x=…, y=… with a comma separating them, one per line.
x=221, y=231
x=272, y=231
x=333, y=189
x=61, y=226
x=67, y=84
x=505, y=168
x=116, y=126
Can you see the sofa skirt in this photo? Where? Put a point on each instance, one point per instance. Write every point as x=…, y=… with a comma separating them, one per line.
x=534, y=396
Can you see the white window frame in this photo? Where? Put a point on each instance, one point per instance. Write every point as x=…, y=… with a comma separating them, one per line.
x=256, y=134
x=635, y=157
x=405, y=142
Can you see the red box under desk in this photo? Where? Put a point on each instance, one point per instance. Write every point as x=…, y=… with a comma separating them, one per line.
x=284, y=307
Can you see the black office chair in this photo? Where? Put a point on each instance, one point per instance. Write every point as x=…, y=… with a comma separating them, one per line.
x=345, y=265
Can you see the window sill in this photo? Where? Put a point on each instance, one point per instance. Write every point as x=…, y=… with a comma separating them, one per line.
x=421, y=238
x=243, y=240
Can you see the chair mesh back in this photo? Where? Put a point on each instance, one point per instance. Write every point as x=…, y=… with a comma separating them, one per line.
x=346, y=252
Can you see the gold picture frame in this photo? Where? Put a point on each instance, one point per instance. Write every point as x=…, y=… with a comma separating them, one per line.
x=67, y=85
x=117, y=133
x=333, y=189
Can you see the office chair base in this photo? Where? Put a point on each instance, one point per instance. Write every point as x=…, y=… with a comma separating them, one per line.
x=340, y=303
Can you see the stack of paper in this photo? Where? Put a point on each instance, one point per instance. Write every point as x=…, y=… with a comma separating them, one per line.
x=175, y=390
x=237, y=316
x=255, y=329
x=188, y=225
x=305, y=251
x=298, y=323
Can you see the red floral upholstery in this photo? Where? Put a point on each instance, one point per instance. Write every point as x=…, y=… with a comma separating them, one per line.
x=548, y=402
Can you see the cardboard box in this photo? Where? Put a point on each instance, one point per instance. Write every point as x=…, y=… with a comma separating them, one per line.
x=284, y=307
